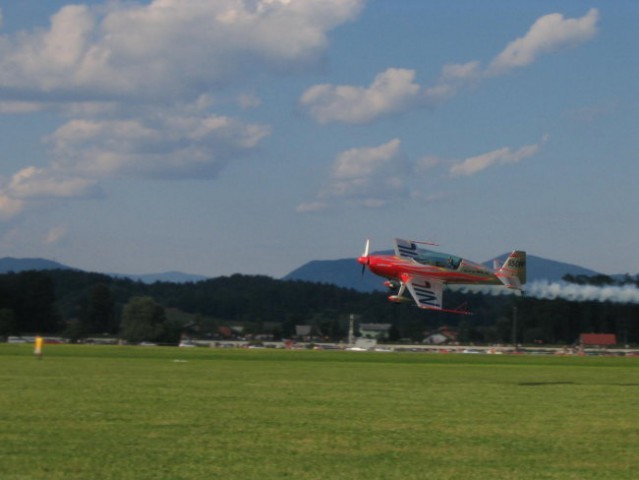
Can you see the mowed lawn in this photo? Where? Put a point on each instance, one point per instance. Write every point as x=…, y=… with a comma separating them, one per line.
x=98, y=412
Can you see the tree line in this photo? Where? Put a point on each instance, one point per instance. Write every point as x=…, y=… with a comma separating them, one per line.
x=77, y=305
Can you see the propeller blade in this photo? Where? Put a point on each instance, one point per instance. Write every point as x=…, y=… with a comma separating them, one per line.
x=364, y=259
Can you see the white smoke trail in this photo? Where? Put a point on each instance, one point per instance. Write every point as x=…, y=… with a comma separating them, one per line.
x=583, y=293
x=545, y=290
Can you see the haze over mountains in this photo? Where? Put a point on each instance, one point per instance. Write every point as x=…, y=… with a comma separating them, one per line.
x=10, y=264
x=343, y=272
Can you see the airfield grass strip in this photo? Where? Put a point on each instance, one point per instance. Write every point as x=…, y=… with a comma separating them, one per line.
x=105, y=412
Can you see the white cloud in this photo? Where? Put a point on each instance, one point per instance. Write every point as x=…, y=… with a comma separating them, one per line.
x=11, y=107
x=164, y=49
x=31, y=185
x=9, y=207
x=311, y=207
x=167, y=145
x=32, y=182
x=46, y=60
x=136, y=82
x=427, y=162
x=391, y=91
x=549, y=33
x=502, y=156
x=55, y=235
x=365, y=176
x=395, y=91
x=249, y=100
x=460, y=71
x=373, y=177
x=366, y=161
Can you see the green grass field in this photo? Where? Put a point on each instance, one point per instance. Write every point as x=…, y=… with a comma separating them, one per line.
x=98, y=412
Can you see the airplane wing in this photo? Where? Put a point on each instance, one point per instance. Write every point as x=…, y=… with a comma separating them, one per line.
x=427, y=293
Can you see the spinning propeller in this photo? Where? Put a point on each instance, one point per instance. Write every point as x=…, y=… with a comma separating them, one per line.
x=365, y=258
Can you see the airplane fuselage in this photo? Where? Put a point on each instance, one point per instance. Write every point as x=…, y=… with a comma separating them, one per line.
x=425, y=273
x=394, y=267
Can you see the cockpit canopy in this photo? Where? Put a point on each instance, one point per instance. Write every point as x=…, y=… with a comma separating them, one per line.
x=438, y=259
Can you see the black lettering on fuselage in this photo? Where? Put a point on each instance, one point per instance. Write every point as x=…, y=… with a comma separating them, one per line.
x=425, y=295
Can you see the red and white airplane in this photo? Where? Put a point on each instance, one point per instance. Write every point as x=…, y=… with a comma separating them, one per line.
x=425, y=273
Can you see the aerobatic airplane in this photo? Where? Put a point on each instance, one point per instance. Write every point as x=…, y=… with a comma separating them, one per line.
x=425, y=273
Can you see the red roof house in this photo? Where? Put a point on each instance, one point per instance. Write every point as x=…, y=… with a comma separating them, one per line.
x=600, y=339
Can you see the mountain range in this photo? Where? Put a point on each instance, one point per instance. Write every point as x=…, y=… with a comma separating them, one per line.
x=343, y=273
x=9, y=264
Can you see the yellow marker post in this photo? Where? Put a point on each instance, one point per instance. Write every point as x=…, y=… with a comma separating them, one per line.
x=37, y=351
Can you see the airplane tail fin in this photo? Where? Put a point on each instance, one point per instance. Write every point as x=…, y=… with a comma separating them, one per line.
x=513, y=271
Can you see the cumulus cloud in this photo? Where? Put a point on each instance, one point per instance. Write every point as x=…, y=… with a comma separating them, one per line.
x=373, y=177
x=167, y=48
x=395, y=90
x=32, y=182
x=9, y=206
x=55, y=235
x=427, y=162
x=390, y=92
x=549, y=33
x=501, y=156
x=249, y=100
x=363, y=176
x=16, y=107
x=167, y=145
x=32, y=185
x=364, y=162
x=136, y=84
x=311, y=207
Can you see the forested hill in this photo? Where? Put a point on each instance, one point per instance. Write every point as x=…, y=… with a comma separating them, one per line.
x=46, y=301
x=10, y=264
x=79, y=304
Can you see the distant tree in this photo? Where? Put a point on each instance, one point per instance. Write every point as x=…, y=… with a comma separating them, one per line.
x=41, y=300
x=393, y=334
x=34, y=296
x=8, y=323
x=100, y=310
x=142, y=320
x=468, y=332
x=74, y=331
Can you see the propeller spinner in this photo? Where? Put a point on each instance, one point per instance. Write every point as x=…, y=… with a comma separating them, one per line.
x=365, y=258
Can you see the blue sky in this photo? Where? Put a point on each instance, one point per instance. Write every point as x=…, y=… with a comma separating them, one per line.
x=225, y=136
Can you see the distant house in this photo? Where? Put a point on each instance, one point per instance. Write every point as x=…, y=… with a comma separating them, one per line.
x=441, y=336
x=237, y=329
x=378, y=331
x=225, y=332
x=303, y=331
x=597, y=339
x=230, y=332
